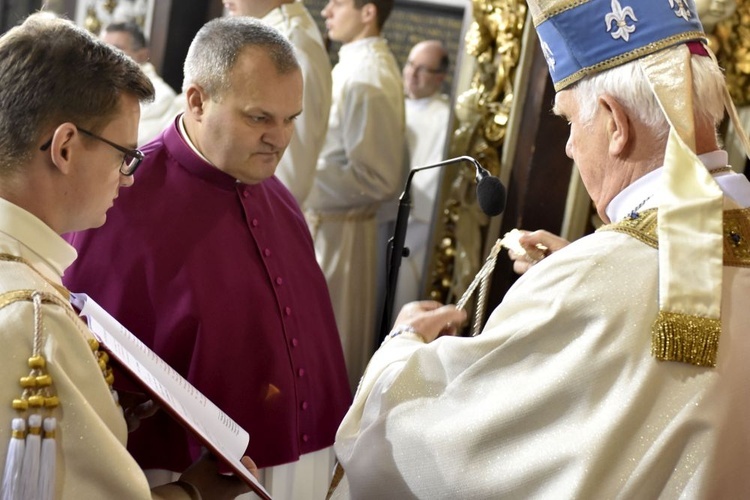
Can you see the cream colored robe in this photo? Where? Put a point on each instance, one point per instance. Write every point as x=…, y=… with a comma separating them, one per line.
x=297, y=167
x=559, y=397
x=362, y=165
x=157, y=114
x=92, y=461
x=426, y=131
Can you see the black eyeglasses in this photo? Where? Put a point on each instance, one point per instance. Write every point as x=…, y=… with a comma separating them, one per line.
x=423, y=69
x=130, y=161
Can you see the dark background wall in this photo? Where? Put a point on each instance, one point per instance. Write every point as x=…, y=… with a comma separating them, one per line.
x=12, y=11
x=175, y=23
x=184, y=21
x=410, y=22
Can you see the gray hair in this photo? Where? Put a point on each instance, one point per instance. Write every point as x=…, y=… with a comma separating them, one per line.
x=215, y=49
x=629, y=86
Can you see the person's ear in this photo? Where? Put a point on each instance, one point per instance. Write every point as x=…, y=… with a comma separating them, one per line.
x=369, y=13
x=196, y=101
x=63, y=148
x=617, y=122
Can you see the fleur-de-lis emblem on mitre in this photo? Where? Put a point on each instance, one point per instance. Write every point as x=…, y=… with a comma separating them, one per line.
x=620, y=17
x=682, y=10
x=548, y=56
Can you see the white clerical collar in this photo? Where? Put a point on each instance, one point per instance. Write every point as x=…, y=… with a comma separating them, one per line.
x=642, y=194
x=184, y=134
x=41, y=244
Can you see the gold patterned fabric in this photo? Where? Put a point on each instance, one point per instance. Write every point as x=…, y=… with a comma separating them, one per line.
x=690, y=338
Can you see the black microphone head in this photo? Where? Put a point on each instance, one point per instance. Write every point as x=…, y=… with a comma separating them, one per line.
x=491, y=195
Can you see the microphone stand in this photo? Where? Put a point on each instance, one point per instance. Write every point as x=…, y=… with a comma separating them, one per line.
x=396, y=245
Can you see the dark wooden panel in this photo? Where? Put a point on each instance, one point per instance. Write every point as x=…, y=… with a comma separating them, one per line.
x=540, y=175
x=13, y=11
x=185, y=19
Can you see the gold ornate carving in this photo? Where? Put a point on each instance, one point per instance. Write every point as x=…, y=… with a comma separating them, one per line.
x=100, y=13
x=92, y=22
x=109, y=6
x=733, y=37
x=482, y=112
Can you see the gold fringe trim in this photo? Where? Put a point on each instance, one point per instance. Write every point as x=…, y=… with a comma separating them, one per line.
x=684, y=338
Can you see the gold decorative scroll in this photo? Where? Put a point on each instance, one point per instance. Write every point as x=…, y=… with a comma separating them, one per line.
x=482, y=113
x=733, y=36
x=100, y=13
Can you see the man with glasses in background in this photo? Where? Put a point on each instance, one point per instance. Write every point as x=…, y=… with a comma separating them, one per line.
x=69, y=109
x=209, y=261
x=427, y=115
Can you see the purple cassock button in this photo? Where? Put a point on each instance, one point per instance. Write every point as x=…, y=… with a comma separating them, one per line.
x=304, y=405
x=301, y=372
x=255, y=223
x=288, y=311
x=267, y=252
x=305, y=438
x=279, y=281
x=295, y=342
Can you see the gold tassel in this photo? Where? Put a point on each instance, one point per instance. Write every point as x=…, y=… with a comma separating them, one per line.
x=685, y=338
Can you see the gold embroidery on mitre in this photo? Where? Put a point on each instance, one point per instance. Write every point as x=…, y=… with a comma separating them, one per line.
x=680, y=337
x=620, y=59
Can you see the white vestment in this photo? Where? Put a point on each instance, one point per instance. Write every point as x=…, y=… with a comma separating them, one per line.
x=157, y=114
x=361, y=166
x=91, y=458
x=559, y=397
x=297, y=167
x=426, y=131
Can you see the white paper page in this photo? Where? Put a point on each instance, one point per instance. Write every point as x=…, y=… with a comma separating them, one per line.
x=214, y=427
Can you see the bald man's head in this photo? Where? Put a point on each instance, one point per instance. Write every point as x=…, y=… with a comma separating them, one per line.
x=425, y=69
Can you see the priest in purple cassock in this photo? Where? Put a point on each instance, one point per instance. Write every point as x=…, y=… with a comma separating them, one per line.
x=209, y=261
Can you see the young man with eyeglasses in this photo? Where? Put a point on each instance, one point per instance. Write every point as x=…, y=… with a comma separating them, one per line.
x=209, y=261
x=69, y=109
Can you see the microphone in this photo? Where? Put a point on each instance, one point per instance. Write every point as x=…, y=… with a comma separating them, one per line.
x=490, y=197
x=490, y=192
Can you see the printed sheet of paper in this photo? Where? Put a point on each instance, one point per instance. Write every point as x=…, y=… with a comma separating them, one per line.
x=227, y=440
